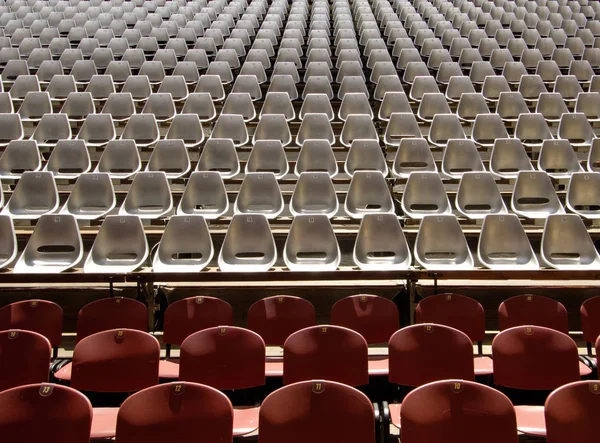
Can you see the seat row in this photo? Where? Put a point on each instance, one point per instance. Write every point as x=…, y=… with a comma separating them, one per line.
x=186, y=246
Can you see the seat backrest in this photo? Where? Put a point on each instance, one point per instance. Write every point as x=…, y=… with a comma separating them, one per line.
x=534, y=358
x=25, y=357
x=224, y=357
x=326, y=352
x=428, y=352
x=28, y=413
x=590, y=319
x=375, y=318
x=316, y=411
x=41, y=316
x=457, y=411
x=533, y=310
x=180, y=411
x=116, y=360
x=192, y=314
x=454, y=310
x=571, y=412
x=111, y=313
x=276, y=318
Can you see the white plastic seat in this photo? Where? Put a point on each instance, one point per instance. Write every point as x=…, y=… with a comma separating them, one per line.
x=54, y=246
x=69, y=159
x=143, y=129
x=368, y=193
x=441, y=244
x=92, y=197
x=248, y=245
x=170, y=157
x=259, y=194
x=567, y=245
x=18, y=157
x=314, y=194
x=311, y=245
x=204, y=195
x=211, y=84
x=8, y=241
x=478, y=196
x=503, y=244
x=365, y=155
x=461, y=156
x=219, y=155
x=35, y=195
x=120, y=159
x=120, y=246
x=424, y=194
x=185, y=245
x=149, y=196
x=534, y=196
x=558, y=159
x=268, y=156
x=583, y=197
x=380, y=244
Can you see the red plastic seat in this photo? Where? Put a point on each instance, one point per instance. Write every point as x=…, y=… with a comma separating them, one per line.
x=462, y=313
x=457, y=411
x=111, y=313
x=178, y=412
x=45, y=413
x=24, y=358
x=226, y=358
x=590, y=321
x=534, y=358
x=117, y=360
x=41, y=316
x=533, y=310
x=316, y=411
x=375, y=318
x=424, y=353
x=326, y=353
x=187, y=316
x=572, y=413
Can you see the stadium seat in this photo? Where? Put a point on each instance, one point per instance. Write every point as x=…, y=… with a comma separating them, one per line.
x=532, y=310
x=25, y=358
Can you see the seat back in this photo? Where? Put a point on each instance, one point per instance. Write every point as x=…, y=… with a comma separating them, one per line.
x=590, y=319
x=41, y=316
x=533, y=310
x=25, y=357
x=111, y=313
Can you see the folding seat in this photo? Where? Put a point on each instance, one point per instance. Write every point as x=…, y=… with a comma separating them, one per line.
x=476, y=412
x=487, y=128
x=440, y=244
x=358, y=127
x=143, y=129
x=69, y=159
x=576, y=129
x=445, y=127
x=248, y=245
x=534, y=310
x=424, y=194
x=35, y=195
x=149, y=196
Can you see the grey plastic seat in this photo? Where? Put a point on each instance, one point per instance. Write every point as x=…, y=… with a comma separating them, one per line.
x=176, y=86
x=161, y=106
x=316, y=156
x=568, y=87
x=588, y=103
x=368, y=193
x=549, y=71
x=268, y=156
x=92, y=197
x=69, y=159
x=531, y=86
x=503, y=244
x=354, y=103
x=534, y=196
x=272, y=127
x=365, y=155
x=413, y=155
x=558, y=159
x=422, y=85
x=566, y=244
x=593, y=160
x=582, y=194
x=316, y=104
x=441, y=244
x=552, y=106
x=232, y=127
x=469, y=107
x=18, y=157
x=204, y=195
x=8, y=241
x=576, y=129
x=201, y=104
x=97, y=130
x=380, y=244
x=457, y=86
x=511, y=105
x=318, y=69
x=259, y=194
x=34, y=106
x=78, y=106
x=278, y=103
x=248, y=246
x=170, y=157
x=211, y=84
x=317, y=85
x=185, y=246
x=120, y=246
x=188, y=128
x=247, y=84
x=35, y=195
x=315, y=127
x=314, y=194
x=444, y=128
x=393, y=102
x=23, y=85
x=143, y=129
x=120, y=106
x=508, y=157
x=219, y=155
x=138, y=86
x=149, y=196
x=461, y=156
x=387, y=83
x=358, y=127
x=120, y=159
x=532, y=129
x=311, y=245
x=424, y=194
x=401, y=125
x=487, y=128
x=478, y=196
x=493, y=85
x=50, y=129
x=6, y=105
x=54, y=246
